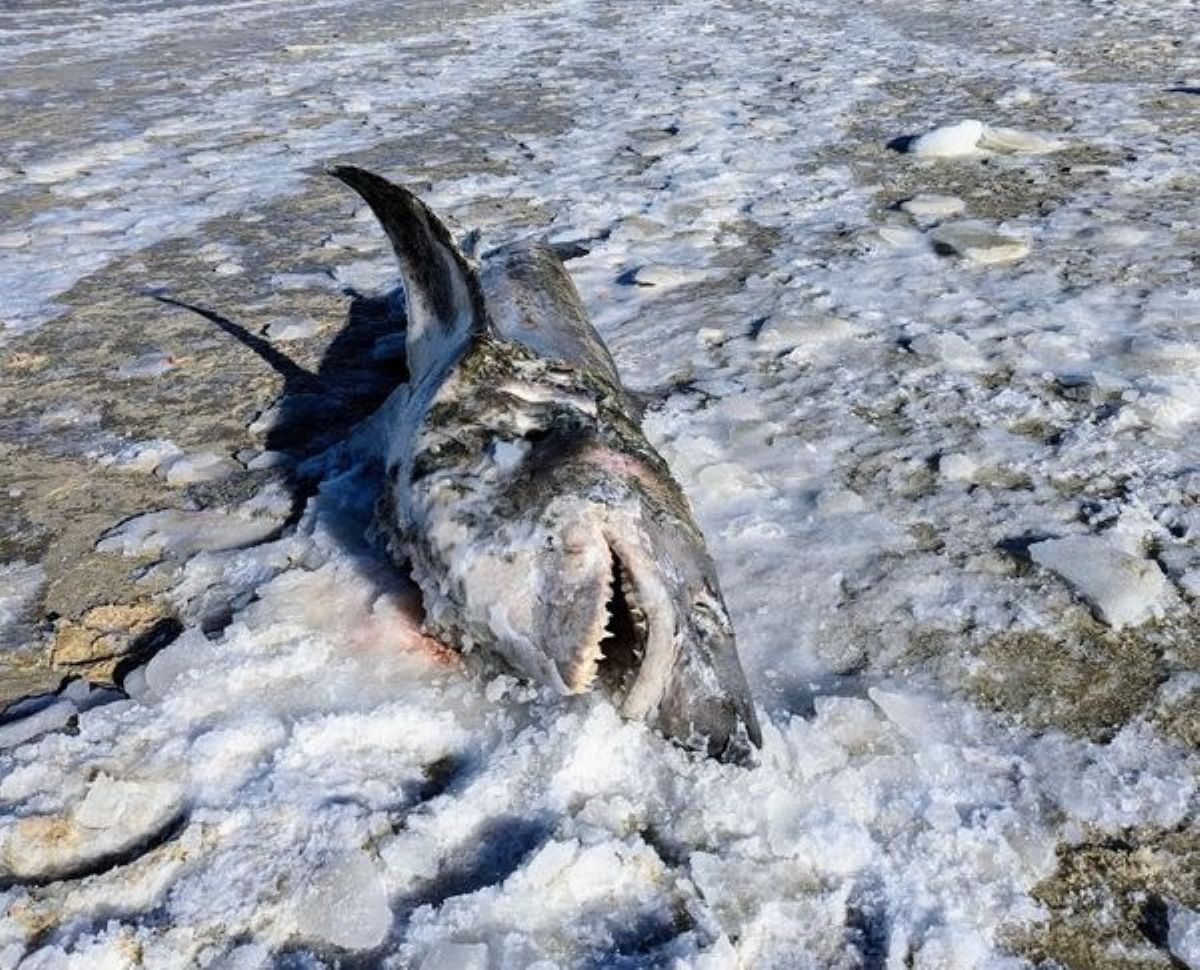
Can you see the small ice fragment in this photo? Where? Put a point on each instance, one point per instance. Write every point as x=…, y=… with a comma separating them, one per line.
x=456, y=956
x=952, y=349
x=288, y=282
x=411, y=856
x=979, y=245
x=147, y=365
x=1018, y=95
x=1123, y=589
x=950, y=141
x=115, y=815
x=1183, y=935
x=204, y=466
x=20, y=585
x=366, y=275
x=1013, y=140
x=900, y=237
x=191, y=651
x=508, y=454
x=345, y=904
x=913, y=717
x=268, y=459
x=661, y=275
x=229, y=268
x=53, y=717
x=179, y=534
x=719, y=956
x=112, y=801
x=813, y=751
x=291, y=328
x=957, y=467
x=144, y=456
x=927, y=205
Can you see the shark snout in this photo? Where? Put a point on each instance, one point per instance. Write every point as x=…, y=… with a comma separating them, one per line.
x=644, y=627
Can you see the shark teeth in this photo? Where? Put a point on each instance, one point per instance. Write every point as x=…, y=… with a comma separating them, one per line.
x=613, y=649
x=581, y=675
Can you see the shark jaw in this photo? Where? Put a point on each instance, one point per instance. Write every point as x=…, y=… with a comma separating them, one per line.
x=629, y=653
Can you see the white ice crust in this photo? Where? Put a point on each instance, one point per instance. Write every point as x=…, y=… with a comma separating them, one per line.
x=863, y=425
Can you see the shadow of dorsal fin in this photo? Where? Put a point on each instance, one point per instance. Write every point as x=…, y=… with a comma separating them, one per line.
x=442, y=296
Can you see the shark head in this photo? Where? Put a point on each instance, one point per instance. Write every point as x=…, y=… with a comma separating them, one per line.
x=538, y=521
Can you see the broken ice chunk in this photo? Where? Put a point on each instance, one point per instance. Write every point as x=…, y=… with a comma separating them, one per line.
x=927, y=205
x=52, y=717
x=153, y=364
x=345, y=904
x=1122, y=589
x=972, y=137
x=114, y=817
x=979, y=244
x=1013, y=140
x=291, y=328
x=1183, y=936
x=949, y=141
x=204, y=466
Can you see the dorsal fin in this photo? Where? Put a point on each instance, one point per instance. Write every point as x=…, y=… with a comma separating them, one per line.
x=441, y=290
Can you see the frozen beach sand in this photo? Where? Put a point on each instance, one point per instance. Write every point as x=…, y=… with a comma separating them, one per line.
x=966, y=765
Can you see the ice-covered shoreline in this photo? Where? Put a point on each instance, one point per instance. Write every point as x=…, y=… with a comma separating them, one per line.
x=930, y=443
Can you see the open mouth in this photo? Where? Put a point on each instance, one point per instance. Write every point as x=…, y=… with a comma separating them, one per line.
x=624, y=645
x=631, y=657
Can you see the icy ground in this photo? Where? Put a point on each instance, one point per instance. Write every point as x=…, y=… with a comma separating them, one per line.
x=914, y=290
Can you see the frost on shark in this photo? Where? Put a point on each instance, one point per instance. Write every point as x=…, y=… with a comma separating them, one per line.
x=934, y=411
x=538, y=521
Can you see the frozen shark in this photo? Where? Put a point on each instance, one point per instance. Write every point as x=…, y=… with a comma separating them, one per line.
x=538, y=522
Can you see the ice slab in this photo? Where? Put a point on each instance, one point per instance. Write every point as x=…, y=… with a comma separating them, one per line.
x=979, y=244
x=345, y=904
x=1123, y=589
x=114, y=816
x=931, y=206
x=949, y=141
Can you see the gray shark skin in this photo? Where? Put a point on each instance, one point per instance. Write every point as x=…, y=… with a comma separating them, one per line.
x=537, y=520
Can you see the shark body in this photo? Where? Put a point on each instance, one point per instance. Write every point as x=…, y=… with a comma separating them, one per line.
x=537, y=520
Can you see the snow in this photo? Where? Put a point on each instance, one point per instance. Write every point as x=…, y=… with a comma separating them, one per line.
x=456, y=956
x=864, y=428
